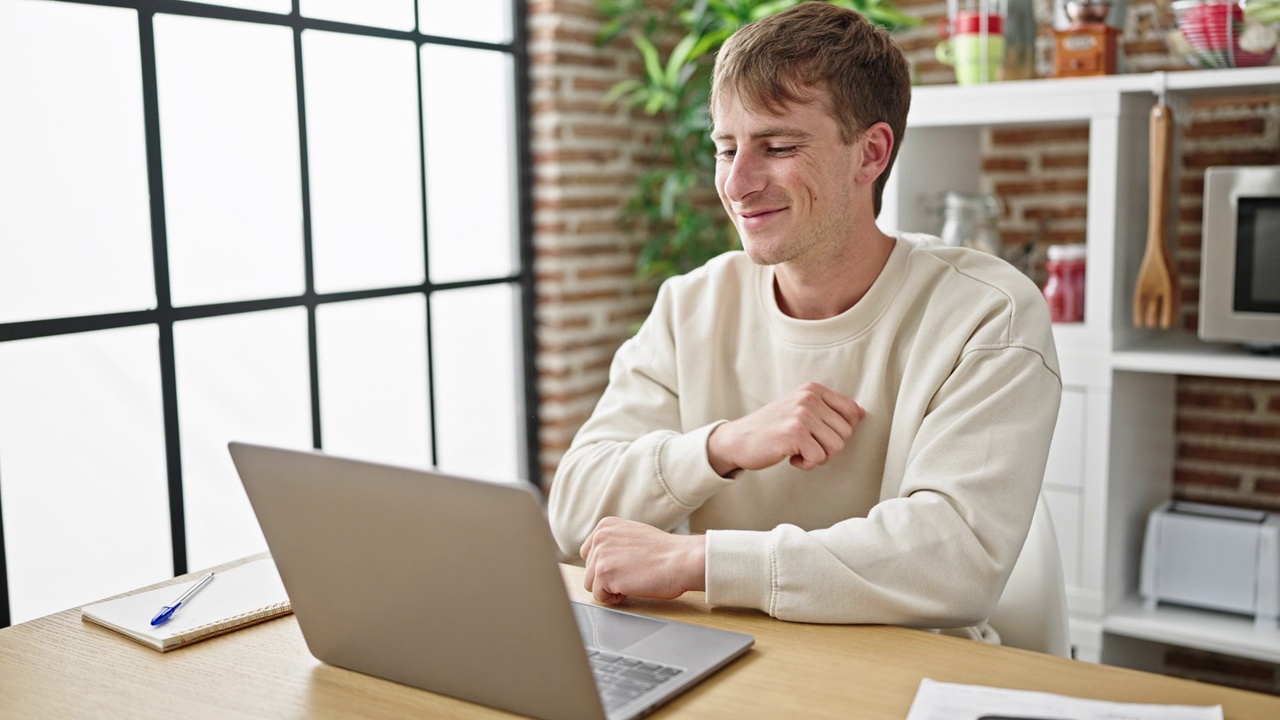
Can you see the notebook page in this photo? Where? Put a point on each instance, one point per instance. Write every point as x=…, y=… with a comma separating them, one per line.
x=238, y=595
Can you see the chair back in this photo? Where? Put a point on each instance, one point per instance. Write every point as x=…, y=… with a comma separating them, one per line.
x=1032, y=612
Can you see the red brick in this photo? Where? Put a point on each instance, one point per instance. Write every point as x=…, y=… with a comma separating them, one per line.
x=570, y=156
x=1074, y=160
x=1206, y=479
x=1235, y=429
x=1005, y=164
x=576, y=251
x=592, y=84
x=1189, y=241
x=625, y=272
x=1074, y=212
x=579, y=297
x=579, y=203
x=1201, y=160
x=1215, y=400
x=1234, y=101
x=609, y=345
x=1039, y=135
x=1226, y=128
x=1230, y=455
x=1042, y=186
x=608, y=132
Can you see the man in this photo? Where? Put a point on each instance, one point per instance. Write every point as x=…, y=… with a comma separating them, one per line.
x=853, y=424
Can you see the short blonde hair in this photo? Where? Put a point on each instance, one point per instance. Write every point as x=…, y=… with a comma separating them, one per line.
x=784, y=58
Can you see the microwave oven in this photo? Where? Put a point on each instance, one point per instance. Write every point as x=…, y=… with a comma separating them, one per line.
x=1240, y=256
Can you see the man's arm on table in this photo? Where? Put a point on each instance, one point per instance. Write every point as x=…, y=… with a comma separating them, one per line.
x=807, y=427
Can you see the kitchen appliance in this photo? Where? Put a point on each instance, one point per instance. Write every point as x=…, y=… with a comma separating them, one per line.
x=1088, y=46
x=1240, y=256
x=1214, y=557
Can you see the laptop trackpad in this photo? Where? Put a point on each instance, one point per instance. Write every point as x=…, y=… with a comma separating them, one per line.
x=612, y=630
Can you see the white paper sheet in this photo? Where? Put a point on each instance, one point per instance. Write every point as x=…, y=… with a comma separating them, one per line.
x=949, y=701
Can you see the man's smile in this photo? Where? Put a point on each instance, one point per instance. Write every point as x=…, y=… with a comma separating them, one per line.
x=756, y=218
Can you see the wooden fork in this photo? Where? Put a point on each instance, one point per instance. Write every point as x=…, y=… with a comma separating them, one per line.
x=1156, y=297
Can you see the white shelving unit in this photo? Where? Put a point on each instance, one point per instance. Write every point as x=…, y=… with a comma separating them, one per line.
x=1113, y=451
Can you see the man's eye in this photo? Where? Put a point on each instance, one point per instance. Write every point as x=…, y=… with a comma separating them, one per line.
x=781, y=149
x=725, y=154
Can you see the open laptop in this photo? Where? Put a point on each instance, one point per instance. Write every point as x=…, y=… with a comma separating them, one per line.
x=451, y=585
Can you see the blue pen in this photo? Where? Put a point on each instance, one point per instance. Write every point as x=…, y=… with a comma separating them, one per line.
x=167, y=611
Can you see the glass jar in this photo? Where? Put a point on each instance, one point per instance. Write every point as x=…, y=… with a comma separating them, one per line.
x=969, y=220
x=1064, y=292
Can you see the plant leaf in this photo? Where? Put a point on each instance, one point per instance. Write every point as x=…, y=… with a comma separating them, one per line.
x=652, y=65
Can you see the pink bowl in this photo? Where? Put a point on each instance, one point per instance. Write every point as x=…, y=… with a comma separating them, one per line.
x=1212, y=29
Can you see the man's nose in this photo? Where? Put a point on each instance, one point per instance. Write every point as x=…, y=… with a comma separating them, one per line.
x=745, y=175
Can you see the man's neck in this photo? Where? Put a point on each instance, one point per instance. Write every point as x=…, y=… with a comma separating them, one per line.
x=822, y=289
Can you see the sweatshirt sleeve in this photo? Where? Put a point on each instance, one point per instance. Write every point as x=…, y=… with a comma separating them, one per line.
x=633, y=458
x=939, y=553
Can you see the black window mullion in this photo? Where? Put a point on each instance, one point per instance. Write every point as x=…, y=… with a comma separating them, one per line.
x=308, y=258
x=529, y=449
x=164, y=303
x=4, y=569
x=426, y=249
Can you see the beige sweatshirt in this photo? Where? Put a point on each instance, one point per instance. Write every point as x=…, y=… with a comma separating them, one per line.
x=918, y=521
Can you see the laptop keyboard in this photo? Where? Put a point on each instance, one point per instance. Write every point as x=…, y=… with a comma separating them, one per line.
x=621, y=679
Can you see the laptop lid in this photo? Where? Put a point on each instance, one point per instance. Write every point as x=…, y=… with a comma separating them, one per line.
x=449, y=584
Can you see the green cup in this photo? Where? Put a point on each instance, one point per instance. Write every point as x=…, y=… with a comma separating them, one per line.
x=966, y=54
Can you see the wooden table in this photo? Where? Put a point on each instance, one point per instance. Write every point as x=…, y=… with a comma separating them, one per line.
x=60, y=666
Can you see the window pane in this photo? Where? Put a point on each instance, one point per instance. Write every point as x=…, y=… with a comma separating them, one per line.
x=82, y=468
x=281, y=7
x=240, y=377
x=229, y=140
x=470, y=168
x=478, y=402
x=373, y=379
x=75, y=227
x=394, y=14
x=362, y=141
x=484, y=20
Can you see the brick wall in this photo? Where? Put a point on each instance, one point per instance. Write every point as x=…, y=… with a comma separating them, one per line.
x=585, y=161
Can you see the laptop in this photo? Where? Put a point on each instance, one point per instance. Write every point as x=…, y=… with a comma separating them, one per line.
x=451, y=585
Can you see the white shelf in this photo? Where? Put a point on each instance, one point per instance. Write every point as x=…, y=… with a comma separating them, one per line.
x=1181, y=353
x=1066, y=99
x=1199, y=629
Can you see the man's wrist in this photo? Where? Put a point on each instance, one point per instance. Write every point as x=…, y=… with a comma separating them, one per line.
x=696, y=569
x=722, y=466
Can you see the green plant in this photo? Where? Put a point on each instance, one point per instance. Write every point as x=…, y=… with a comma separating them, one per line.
x=671, y=205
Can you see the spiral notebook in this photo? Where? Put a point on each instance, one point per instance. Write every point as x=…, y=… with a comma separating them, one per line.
x=236, y=598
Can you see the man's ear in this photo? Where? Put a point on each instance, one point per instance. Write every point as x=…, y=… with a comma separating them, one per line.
x=877, y=146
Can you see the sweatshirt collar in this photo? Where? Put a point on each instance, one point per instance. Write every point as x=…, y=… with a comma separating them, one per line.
x=848, y=324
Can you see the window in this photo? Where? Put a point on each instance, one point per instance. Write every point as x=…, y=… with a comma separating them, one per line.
x=293, y=223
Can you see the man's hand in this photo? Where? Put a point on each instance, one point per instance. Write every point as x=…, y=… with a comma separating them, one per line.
x=625, y=557
x=809, y=426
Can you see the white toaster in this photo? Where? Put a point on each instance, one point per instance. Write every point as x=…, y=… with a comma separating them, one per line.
x=1214, y=557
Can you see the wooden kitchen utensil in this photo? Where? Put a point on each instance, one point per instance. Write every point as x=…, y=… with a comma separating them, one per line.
x=1155, y=298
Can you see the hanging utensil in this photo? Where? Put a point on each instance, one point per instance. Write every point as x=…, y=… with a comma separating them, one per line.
x=1156, y=295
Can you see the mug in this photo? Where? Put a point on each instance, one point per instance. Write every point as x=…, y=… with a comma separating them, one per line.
x=976, y=56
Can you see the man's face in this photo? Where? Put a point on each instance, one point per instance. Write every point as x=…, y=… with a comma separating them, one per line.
x=786, y=180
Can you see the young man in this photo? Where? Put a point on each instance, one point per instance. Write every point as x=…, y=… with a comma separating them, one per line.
x=853, y=424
